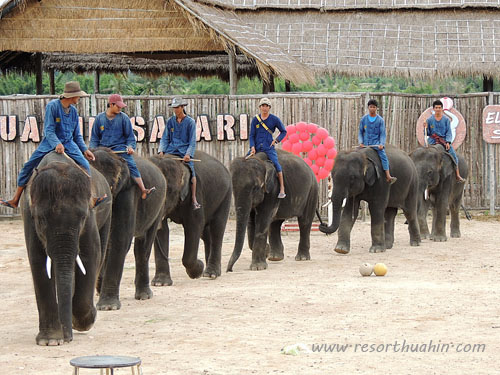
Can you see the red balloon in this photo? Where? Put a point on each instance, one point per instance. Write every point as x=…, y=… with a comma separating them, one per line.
x=329, y=142
x=297, y=148
x=329, y=164
x=317, y=178
x=312, y=128
x=321, y=150
x=291, y=129
x=294, y=138
x=316, y=140
x=322, y=133
x=286, y=145
x=304, y=136
x=301, y=126
x=307, y=146
x=320, y=161
x=315, y=168
x=322, y=173
x=313, y=154
x=308, y=161
x=331, y=153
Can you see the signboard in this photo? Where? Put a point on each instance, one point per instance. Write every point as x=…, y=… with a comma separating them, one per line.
x=491, y=124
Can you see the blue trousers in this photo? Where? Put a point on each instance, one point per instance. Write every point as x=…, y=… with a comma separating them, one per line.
x=36, y=158
x=383, y=158
x=272, y=155
x=132, y=166
x=190, y=165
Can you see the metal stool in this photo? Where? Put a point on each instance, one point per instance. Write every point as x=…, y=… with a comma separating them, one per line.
x=108, y=362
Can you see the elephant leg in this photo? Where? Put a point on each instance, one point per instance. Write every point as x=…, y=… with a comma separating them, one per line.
x=377, y=211
x=305, y=224
x=120, y=241
x=439, y=218
x=389, y=217
x=50, y=329
x=275, y=244
x=84, y=312
x=104, y=237
x=455, y=218
x=347, y=220
x=251, y=229
x=422, y=220
x=192, y=233
x=262, y=223
x=413, y=226
x=162, y=274
x=142, y=253
x=216, y=234
x=206, y=242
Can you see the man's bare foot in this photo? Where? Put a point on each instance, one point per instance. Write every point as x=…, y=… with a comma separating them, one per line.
x=196, y=206
x=460, y=179
x=99, y=200
x=391, y=180
x=146, y=192
x=11, y=204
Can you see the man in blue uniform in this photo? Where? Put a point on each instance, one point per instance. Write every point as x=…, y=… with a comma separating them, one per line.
x=62, y=134
x=372, y=133
x=113, y=129
x=179, y=139
x=438, y=129
x=262, y=129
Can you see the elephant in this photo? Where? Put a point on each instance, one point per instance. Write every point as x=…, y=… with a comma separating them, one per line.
x=357, y=175
x=131, y=217
x=255, y=190
x=213, y=192
x=437, y=182
x=61, y=228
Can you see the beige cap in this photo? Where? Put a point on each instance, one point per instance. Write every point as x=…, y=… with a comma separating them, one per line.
x=265, y=101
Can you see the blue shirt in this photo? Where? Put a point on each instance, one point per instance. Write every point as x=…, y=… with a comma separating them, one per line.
x=442, y=128
x=372, y=132
x=60, y=127
x=179, y=139
x=117, y=134
x=260, y=138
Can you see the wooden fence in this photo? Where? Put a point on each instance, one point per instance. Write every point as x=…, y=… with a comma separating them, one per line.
x=339, y=113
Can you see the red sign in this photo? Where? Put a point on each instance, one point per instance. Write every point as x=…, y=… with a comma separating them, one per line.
x=491, y=124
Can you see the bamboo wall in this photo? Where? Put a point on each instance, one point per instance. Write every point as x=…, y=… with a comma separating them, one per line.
x=339, y=113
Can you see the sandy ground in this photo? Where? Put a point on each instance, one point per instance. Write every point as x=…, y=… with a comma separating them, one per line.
x=445, y=292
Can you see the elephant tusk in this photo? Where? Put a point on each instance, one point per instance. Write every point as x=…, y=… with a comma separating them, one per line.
x=48, y=267
x=80, y=264
x=426, y=194
x=344, y=202
x=327, y=204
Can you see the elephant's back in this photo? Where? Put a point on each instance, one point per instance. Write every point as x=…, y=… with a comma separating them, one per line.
x=213, y=178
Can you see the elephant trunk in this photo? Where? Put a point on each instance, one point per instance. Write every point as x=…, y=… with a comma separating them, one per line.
x=242, y=216
x=337, y=203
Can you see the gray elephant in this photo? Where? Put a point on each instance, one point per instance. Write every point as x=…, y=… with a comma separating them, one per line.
x=357, y=175
x=132, y=217
x=438, y=187
x=255, y=190
x=61, y=229
x=213, y=192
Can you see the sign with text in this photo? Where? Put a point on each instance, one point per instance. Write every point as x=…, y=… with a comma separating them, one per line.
x=491, y=124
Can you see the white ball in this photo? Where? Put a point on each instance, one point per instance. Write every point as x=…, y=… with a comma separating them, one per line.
x=366, y=269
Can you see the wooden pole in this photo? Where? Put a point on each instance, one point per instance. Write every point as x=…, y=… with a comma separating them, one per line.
x=491, y=170
x=287, y=86
x=97, y=86
x=233, y=78
x=487, y=84
x=52, y=82
x=39, y=73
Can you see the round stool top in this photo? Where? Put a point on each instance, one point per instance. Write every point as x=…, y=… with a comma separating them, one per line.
x=104, y=361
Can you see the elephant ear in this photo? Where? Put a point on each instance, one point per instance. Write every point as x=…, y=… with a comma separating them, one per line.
x=371, y=172
x=270, y=179
x=185, y=183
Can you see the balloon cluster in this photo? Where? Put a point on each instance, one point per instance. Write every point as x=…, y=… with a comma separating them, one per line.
x=314, y=145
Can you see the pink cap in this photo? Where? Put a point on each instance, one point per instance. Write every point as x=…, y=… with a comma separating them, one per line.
x=117, y=99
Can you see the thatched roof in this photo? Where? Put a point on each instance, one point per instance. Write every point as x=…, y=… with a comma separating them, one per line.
x=131, y=26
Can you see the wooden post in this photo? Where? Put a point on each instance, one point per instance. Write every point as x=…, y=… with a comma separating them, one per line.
x=52, y=82
x=96, y=82
x=39, y=73
x=491, y=170
x=233, y=78
x=487, y=84
x=287, y=86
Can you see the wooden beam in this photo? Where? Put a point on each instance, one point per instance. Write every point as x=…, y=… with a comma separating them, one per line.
x=487, y=84
x=233, y=78
x=39, y=73
x=97, y=84
x=287, y=86
x=52, y=82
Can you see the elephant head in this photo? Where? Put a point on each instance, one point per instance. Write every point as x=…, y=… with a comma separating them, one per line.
x=352, y=172
x=253, y=179
x=59, y=202
x=114, y=168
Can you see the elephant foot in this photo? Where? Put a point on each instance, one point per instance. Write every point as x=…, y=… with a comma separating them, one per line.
x=85, y=322
x=108, y=303
x=425, y=236
x=389, y=245
x=143, y=294
x=342, y=248
x=258, y=266
x=455, y=234
x=439, y=238
x=50, y=338
x=276, y=257
x=302, y=256
x=415, y=242
x=196, y=271
x=377, y=249
x=162, y=279
x=212, y=272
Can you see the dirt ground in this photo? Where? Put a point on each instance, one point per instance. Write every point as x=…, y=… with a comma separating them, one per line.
x=447, y=293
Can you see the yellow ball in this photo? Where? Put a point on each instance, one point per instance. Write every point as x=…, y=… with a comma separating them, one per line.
x=366, y=269
x=380, y=269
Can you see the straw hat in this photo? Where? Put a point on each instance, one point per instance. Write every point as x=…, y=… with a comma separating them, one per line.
x=72, y=89
x=177, y=102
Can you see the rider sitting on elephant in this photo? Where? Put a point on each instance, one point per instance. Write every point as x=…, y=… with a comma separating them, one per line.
x=261, y=138
x=113, y=129
x=62, y=134
x=438, y=129
x=372, y=133
x=179, y=138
